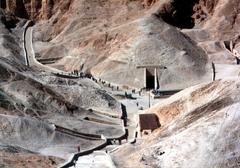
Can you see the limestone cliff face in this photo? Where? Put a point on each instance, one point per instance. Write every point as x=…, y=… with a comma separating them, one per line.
x=186, y=14
x=35, y=9
x=15, y=7
x=44, y=9
x=98, y=35
x=198, y=125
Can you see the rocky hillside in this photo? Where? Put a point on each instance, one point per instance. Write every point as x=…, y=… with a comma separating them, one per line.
x=218, y=34
x=95, y=36
x=110, y=39
x=199, y=128
x=89, y=37
x=31, y=100
x=97, y=40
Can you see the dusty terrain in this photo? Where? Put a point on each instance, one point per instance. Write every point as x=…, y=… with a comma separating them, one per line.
x=199, y=126
x=95, y=36
x=97, y=40
x=109, y=39
x=32, y=100
x=27, y=160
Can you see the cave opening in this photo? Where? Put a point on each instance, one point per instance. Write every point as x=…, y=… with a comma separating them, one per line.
x=10, y=22
x=3, y=4
x=20, y=10
x=150, y=79
x=179, y=13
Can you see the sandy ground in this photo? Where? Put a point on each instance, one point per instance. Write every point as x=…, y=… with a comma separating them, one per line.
x=226, y=71
x=199, y=126
x=99, y=159
x=102, y=161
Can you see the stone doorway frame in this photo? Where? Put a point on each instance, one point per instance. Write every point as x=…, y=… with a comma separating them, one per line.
x=146, y=68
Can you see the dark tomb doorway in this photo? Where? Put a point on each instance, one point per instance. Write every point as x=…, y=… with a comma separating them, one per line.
x=149, y=79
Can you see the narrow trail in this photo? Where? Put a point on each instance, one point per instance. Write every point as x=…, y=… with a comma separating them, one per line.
x=30, y=54
x=30, y=57
x=78, y=134
x=31, y=61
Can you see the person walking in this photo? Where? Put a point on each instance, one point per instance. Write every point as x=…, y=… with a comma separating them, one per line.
x=78, y=148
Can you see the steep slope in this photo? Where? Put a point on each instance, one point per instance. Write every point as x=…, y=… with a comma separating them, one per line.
x=32, y=100
x=218, y=33
x=199, y=129
x=88, y=36
x=39, y=137
x=95, y=40
x=110, y=39
x=10, y=157
x=28, y=86
x=152, y=42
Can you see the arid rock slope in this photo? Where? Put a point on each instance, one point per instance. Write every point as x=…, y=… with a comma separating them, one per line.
x=109, y=39
x=12, y=157
x=32, y=100
x=218, y=34
x=97, y=40
x=199, y=130
x=95, y=36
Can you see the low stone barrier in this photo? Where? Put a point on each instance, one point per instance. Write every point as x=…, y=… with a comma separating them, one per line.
x=66, y=75
x=78, y=134
x=75, y=157
x=29, y=23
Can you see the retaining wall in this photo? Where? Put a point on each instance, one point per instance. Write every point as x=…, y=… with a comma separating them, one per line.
x=66, y=76
x=78, y=134
x=28, y=24
x=87, y=152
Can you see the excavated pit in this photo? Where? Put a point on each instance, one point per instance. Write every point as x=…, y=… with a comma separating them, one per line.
x=185, y=14
x=179, y=13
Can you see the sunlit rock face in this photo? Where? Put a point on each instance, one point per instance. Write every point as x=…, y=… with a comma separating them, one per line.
x=32, y=100
x=199, y=126
x=110, y=39
x=86, y=36
x=156, y=43
x=90, y=38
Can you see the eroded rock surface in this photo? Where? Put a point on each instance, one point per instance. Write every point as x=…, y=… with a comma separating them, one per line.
x=34, y=103
x=109, y=39
x=199, y=126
